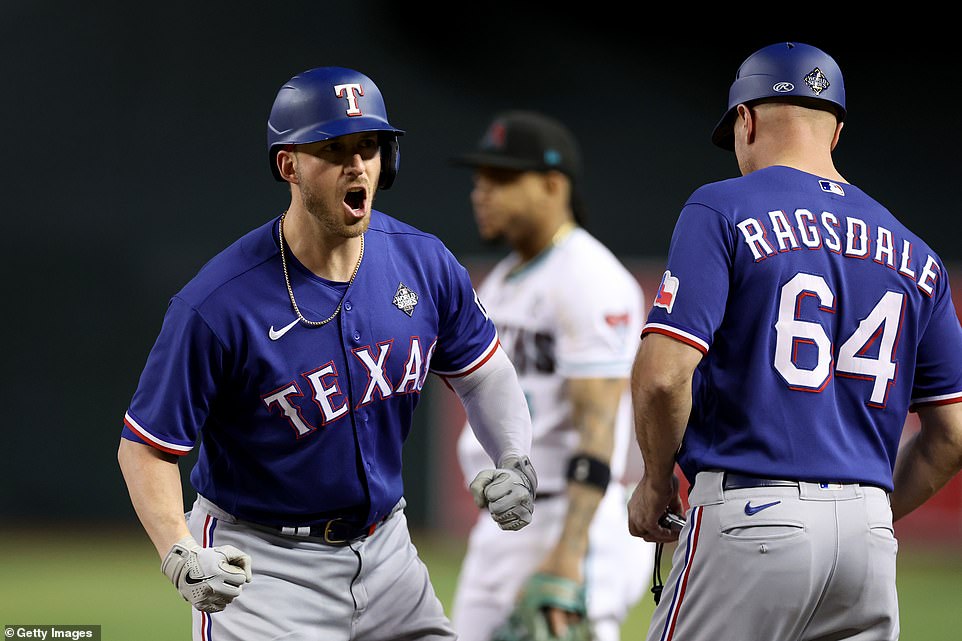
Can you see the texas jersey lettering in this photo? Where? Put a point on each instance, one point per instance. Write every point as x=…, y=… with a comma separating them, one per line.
x=298, y=402
x=330, y=403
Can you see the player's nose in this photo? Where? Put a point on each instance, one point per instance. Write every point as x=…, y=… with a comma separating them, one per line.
x=354, y=163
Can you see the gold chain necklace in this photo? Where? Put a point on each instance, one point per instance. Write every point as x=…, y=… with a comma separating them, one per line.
x=290, y=290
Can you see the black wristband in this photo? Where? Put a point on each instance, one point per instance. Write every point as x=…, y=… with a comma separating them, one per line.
x=586, y=469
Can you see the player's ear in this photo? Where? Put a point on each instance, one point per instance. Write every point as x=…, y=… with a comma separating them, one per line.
x=557, y=187
x=838, y=133
x=745, y=123
x=554, y=181
x=287, y=164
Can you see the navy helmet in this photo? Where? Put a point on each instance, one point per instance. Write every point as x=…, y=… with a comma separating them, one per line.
x=327, y=102
x=787, y=72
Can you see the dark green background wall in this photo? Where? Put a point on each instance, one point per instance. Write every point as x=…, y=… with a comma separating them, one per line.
x=133, y=150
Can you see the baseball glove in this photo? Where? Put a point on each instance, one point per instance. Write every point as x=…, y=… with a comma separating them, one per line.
x=528, y=622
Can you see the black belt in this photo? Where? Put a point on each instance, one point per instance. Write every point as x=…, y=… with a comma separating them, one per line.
x=333, y=532
x=742, y=481
x=336, y=531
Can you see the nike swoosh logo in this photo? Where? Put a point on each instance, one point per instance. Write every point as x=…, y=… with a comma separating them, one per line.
x=189, y=580
x=751, y=510
x=277, y=333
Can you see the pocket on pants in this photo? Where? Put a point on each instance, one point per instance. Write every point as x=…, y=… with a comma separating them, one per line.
x=772, y=523
x=763, y=530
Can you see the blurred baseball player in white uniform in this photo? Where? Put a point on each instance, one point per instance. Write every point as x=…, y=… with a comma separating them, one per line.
x=569, y=315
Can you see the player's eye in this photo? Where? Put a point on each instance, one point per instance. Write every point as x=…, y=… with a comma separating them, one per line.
x=367, y=147
x=497, y=176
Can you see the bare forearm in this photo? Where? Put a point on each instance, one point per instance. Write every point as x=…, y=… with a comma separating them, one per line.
x=662, y=405
x=594, y=410
x=660, y=427
x=928, y=460
x=661, y=381
x=153, y=482
x=567, y=556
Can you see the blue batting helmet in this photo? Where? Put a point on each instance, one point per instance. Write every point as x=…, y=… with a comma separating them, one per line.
x=784, y=72
x=327, y=102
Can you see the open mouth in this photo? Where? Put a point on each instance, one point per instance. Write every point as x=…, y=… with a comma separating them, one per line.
x=355, y=198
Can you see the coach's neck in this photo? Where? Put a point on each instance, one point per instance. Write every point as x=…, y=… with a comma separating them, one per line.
x=769, y=134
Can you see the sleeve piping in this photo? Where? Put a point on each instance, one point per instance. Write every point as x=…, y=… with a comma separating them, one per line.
x=476, y=363
x=153, y=441
x=677, y=334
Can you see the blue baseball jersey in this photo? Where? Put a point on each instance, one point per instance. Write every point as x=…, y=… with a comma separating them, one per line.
x=296, y=424
x=823, y=321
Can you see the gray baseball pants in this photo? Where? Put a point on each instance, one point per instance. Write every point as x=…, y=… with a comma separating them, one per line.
x=814, y=562
x=374, y=589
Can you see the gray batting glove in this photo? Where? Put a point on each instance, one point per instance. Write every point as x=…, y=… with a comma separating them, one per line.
x=209, y=578
x=508, y=492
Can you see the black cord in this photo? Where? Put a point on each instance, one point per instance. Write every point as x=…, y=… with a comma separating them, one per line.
x=656, y=583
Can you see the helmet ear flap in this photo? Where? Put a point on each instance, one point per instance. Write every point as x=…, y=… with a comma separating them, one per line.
x=390, y=161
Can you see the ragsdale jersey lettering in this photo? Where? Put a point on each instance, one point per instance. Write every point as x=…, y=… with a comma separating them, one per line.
x=859, y=237
x=806, y=338
x=322, y=412
x=572, y=312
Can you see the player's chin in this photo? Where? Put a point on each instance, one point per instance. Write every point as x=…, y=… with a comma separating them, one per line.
x=488, y=231
x=356, y=227
x=491, y=235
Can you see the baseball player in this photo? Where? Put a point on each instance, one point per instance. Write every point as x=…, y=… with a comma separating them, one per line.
x=797, y=323
x=294, y=360
x=569, y=315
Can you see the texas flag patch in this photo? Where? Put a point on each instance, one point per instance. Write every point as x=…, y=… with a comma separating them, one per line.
x=667, y=292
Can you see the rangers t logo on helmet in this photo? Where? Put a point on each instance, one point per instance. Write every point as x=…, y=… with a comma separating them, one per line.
x=351, y=92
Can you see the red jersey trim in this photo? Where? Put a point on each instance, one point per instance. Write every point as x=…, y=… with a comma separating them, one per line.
x=478, y=362
x=677, y=334
x=153, y=441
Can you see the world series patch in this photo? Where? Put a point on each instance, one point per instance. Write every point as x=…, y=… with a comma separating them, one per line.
x=405, y=299
x=817, y=81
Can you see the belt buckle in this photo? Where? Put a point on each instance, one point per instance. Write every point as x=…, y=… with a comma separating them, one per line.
x=327, y=533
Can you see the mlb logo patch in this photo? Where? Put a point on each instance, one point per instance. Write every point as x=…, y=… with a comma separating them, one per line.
x=830, y=187
x=667, y=292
